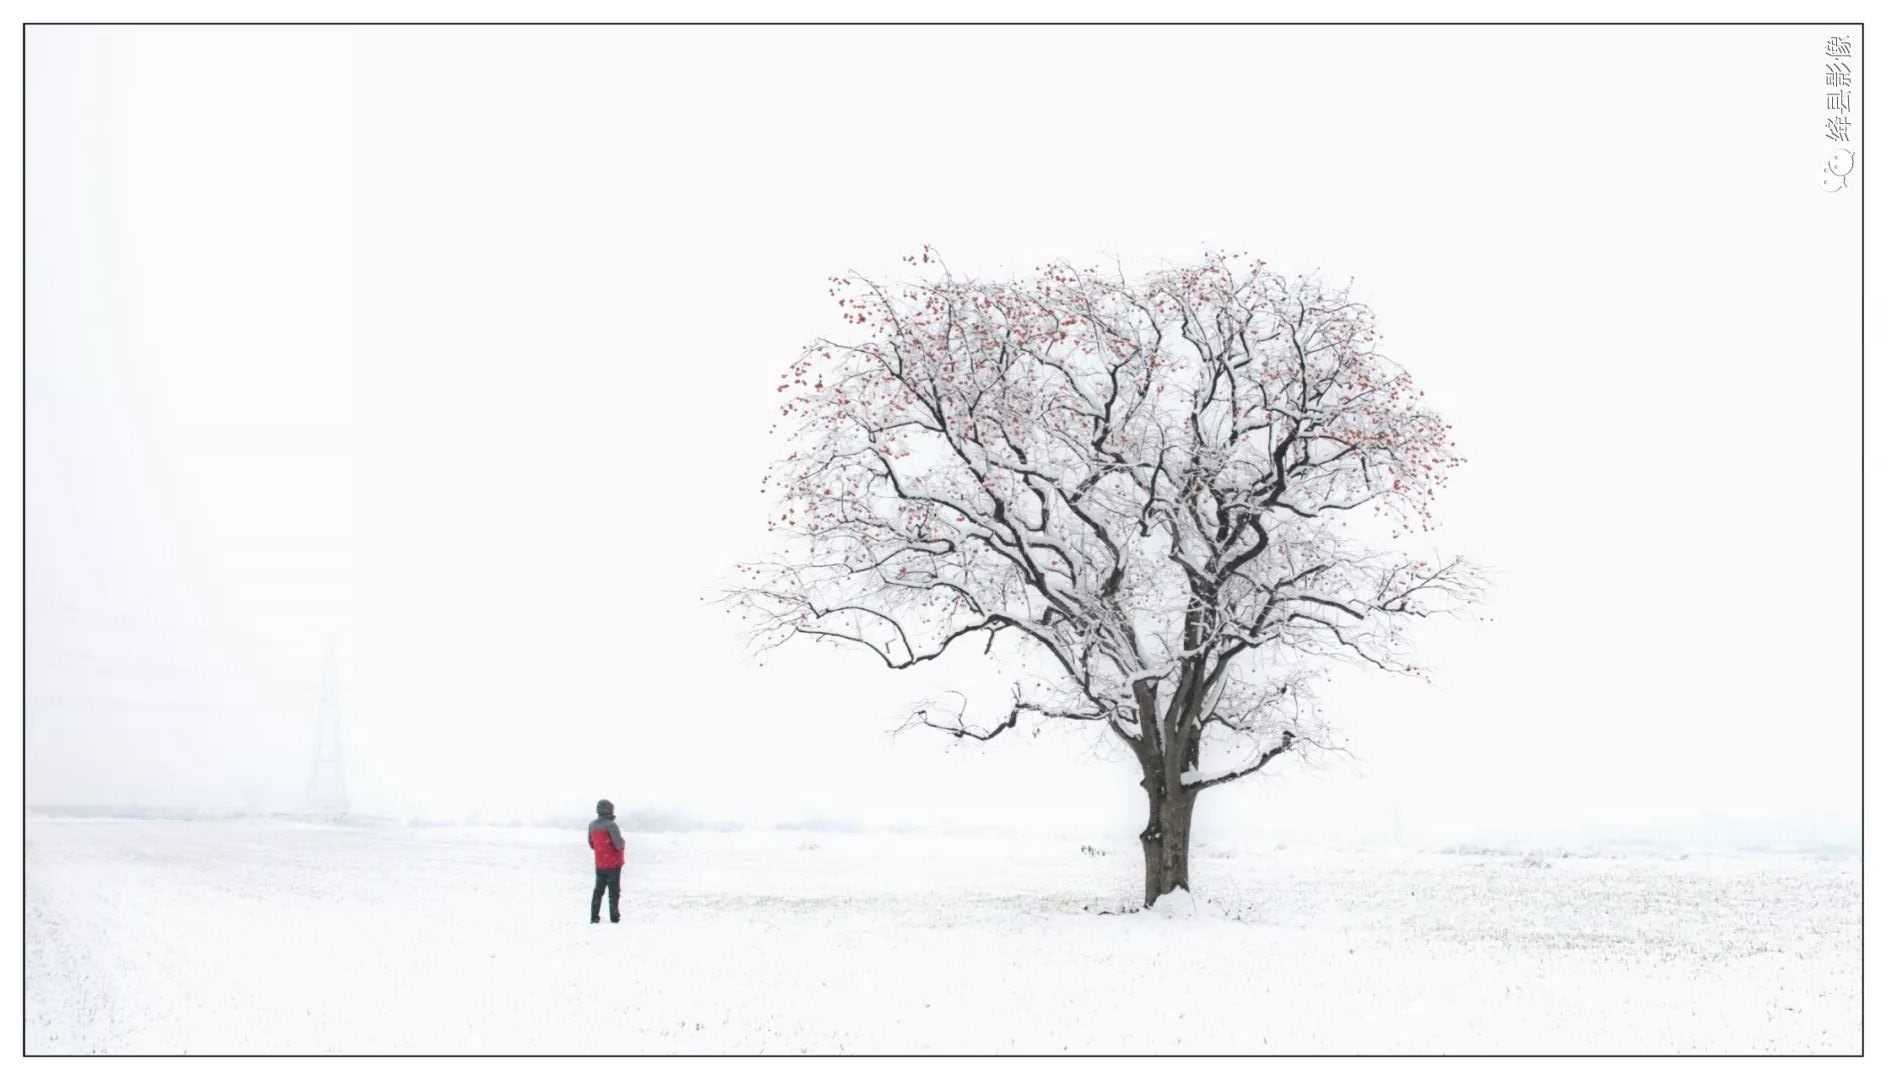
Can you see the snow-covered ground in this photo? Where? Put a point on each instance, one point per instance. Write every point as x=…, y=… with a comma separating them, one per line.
x=268, y=936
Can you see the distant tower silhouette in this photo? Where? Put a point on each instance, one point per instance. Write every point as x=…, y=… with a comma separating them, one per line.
x=327, y=774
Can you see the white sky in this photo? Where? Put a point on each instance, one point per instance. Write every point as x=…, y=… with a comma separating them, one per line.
x=458, y=346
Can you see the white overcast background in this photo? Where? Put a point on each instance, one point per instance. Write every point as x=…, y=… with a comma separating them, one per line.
x=457, y=348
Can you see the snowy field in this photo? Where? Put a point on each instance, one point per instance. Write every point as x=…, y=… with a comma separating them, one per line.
x=276, y=937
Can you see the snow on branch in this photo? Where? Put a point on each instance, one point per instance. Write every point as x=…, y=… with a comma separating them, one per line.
x=1191, y=778
x=1165, y=491
x=936, y=717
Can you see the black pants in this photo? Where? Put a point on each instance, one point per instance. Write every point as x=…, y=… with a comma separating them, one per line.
x=611, y=880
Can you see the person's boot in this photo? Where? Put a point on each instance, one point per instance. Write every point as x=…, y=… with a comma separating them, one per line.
x=594, y=919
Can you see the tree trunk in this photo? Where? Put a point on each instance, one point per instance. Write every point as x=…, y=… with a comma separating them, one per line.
x=1167, y=840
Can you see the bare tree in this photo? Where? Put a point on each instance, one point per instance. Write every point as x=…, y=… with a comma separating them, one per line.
x=1178, y=498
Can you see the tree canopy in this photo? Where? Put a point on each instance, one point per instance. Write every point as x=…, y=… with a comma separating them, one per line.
x=1184, y=495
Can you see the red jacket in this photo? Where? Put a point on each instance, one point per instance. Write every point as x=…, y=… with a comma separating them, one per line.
x=606, y=841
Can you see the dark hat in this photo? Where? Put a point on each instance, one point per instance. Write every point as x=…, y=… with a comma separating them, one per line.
x=605, y=808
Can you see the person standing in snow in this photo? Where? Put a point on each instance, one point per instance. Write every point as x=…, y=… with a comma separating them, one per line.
x=606, y=841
